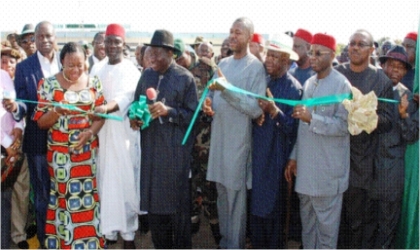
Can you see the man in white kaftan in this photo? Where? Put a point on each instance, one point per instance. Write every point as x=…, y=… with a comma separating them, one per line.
x=119, y=145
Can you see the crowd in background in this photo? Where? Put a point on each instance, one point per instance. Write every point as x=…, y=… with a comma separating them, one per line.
x=261, y=171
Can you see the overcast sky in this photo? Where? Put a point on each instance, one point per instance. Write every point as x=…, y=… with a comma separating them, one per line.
x=391, y=18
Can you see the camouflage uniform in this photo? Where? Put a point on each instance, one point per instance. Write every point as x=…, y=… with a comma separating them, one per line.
x=204, y=194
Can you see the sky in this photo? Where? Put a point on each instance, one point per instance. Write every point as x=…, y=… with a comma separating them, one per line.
x=385, y=18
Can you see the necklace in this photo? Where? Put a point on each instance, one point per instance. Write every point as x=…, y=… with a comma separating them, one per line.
x=68, y=80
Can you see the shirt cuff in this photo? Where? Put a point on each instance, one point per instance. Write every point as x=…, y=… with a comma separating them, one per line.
x=172, y=116
x=317, y=123
x=6, y=141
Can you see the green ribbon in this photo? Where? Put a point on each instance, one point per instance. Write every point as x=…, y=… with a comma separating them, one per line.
x=197, y=110
x=74, y=108
x=140, y=110
x=388, y=100
x=324, y=100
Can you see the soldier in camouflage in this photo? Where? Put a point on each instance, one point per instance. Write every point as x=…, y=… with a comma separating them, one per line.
x=203, y=192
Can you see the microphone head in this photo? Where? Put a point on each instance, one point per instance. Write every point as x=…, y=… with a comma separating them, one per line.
x=151, y=94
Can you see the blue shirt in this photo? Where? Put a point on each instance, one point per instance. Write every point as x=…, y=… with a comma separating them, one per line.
x=302, y=74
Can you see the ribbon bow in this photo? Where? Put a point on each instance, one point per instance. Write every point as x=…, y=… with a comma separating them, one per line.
x=140, y=110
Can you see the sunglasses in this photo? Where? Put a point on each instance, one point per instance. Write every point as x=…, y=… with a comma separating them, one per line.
x=29, y=39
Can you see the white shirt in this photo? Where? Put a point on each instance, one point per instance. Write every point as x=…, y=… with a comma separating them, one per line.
x=49, y=68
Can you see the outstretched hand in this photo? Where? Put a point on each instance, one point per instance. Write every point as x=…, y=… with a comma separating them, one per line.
x=269, y=106
x=215, y=85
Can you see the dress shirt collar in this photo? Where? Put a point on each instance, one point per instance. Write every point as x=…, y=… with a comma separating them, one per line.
x=49, y=68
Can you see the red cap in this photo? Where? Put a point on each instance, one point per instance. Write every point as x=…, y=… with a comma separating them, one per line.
x=304, y=34
x=412, y=36
x=257, y=38
x=324, y=40
x=115, y=30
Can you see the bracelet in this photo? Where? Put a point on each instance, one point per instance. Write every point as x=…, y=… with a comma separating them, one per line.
x=89, y=130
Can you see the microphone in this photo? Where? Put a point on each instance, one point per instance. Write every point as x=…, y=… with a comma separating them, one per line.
x=152, y=95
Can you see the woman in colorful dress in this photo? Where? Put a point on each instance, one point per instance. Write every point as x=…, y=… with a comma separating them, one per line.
x=73, y=210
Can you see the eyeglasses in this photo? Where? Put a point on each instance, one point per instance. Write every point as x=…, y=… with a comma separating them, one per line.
x=317, y=53
x=360, y=45
x=29, y=39
x=83, y=96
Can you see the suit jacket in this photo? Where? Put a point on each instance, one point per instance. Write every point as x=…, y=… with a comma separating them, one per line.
x=91, y=63
x=388, y=181
x=363, y=147
x=28, y=74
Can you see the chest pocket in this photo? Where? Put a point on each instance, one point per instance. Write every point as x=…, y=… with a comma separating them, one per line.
x=325, y=110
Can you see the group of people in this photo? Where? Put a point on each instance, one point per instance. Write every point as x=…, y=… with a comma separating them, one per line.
x=96, y=165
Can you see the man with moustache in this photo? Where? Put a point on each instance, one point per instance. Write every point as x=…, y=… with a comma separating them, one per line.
x=363, y=147
x=43, y=64
x=118, y=160
x=231, y=132
x=273, y=137
x=165, y=167
x=320, y=158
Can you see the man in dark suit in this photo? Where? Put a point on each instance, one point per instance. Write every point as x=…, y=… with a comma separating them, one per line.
x=388, y=182
x=44, y=63
x=363, y=147
x=98, y=49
